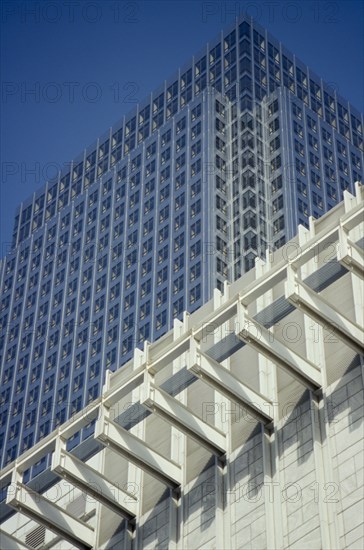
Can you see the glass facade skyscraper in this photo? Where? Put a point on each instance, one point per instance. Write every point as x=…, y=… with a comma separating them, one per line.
x=220, y=163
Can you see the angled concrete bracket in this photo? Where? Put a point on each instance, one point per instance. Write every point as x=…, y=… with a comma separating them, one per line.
x=261, y=339
x=11, y=543
x=52, y=516
x=179, y=416
x=314, y=305
x=350, y=255
x=222, y=380
x=137, y=451
x=93, y=482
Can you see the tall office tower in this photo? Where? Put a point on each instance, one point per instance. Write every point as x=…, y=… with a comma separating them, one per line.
x=217, y=165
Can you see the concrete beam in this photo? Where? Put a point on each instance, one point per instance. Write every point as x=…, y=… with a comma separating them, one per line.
x=9, y=542
x=116, y=393
x=164, y=405
x=217, y=318
x=222, y=380
x=314, y=305
x=350, y=255
x=93, y=483
x=258, y=337
x=137, y=451
x=52, y=516
x=173, y=351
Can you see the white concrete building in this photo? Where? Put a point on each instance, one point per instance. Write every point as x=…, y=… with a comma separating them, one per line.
x=240, y=428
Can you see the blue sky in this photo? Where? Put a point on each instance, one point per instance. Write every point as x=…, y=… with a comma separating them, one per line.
x=88, y=61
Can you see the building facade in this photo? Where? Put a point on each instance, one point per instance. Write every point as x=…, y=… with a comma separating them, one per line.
x=240, y=428
x=220, y=163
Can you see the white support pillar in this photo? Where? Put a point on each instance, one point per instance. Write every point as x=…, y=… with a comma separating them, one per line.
x=217, y=376
x=268, y=384
x=178, y=415
x=257, y=336
x=266, y=369
x=52, y=516
x=92, y=482
x=137, y=451
x=314, y=305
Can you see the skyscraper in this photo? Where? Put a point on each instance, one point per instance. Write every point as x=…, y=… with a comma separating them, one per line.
x=220, y=163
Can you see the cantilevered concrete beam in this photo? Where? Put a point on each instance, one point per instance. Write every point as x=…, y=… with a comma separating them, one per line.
x=350, y=255
x=9, y=542
x=215, y=319
x=314, y=305
x=93, y=483
x=263, y=341
x=222, y=380
x=137, y=451
x=173, y=351
x=115, y=394
x=52, y=516
x=179, y=416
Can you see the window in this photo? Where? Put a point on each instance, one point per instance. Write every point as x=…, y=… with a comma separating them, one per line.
x=179, y=201
x=196, y=130
x=147, y=246
x=113, y=313
x=165, y=174
x=181, y=125
x=146, y=267
x=178, y=263
x=112, y=335
x=128, y=322
x=179, y=242
x=277, y=204
x=178, y=307
x=130, y=279
x=195, y=294
x=114, y=291
x=129, y=300
x=164, y=193
x=162, y=275
x=195, y=271
x=331, y=192
x=166, y=138
x=278, y=225
x=148, y=205
x=161, y=320
x=317, y=200
x=273, y=108
x=145, y=310
x=94, y=370
x=196, y=168
x=161, y=297
x=145, y=289
x=313, y=141
x=163, y=234
x=273, y=126
x=150, y=150
x=195, y=250
x=178, y=284
x=149, y=186
x=275, y=144
x=195, y=229
x=302, y=207
x=311, y=123
x=196, y=112
x=180, y=143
